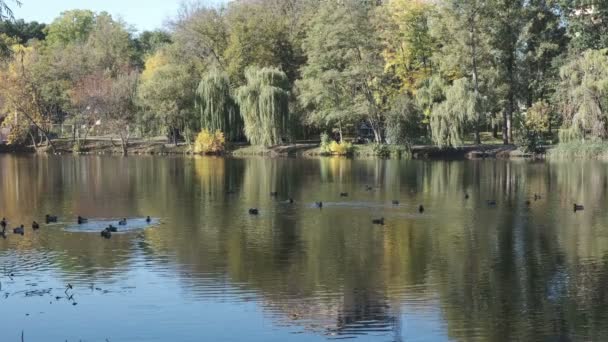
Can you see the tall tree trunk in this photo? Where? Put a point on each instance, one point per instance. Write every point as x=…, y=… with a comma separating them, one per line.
x=44, y=132
x=505, y=127
x=33, y=141
x=511, y=126
x=125, y=145
x=376, y=130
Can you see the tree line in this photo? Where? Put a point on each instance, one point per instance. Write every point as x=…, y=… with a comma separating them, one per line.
x=272, y=71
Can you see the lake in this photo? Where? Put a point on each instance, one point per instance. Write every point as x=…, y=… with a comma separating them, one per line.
x=205, y=269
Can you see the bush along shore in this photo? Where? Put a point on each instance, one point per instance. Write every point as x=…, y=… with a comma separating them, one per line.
x=302, y=149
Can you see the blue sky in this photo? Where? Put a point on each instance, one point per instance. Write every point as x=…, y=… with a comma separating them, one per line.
x=142, y=14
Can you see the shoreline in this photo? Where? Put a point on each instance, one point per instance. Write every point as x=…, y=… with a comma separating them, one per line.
x=298, y=150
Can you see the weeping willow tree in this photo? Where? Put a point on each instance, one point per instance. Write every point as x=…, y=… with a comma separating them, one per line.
x=450, y=118
x=5, y=11
x=584, y=97
x=217, y=108
x=264, y=105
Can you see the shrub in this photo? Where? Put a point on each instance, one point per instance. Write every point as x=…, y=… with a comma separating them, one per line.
x=529, y=141
x=209, y=143
x=534, y=131
x=340, y=149
x=594, y=149
x=381, y=150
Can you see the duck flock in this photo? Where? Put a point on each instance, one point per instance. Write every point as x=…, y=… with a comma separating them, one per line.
x=319, y=205
x=105, y=233
x=380, y=221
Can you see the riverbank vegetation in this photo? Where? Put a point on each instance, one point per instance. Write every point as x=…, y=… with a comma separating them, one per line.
x=268, y=72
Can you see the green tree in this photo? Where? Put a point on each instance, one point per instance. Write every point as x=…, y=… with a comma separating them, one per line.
x=109, y=44
x=257, y=38
x=429, y=95
x=217, y=108
x=21, y=89
x=121, y=105
x=507, y=19
x=81, y=46
x=5, y=13
x=23, y=31
x=148, y=42
x=201, y=34
x=450, y=118
x=403, y=121
x=584, y=96
x=543, y=41
x=462, y=30
x=166, y=94
x=71, y=27
x=342, y=80
x=586, y=24
x=264, y=105
x=409, y=44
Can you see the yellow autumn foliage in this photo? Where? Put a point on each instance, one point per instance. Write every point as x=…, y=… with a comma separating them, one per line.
x=340, y=149
x=209, y=142
x=153, y=63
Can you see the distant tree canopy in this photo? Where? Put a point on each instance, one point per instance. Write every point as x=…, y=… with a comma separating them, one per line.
x=23, y=32
x=268, y=71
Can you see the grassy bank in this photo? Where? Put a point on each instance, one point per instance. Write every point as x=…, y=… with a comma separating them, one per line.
x=577, y=150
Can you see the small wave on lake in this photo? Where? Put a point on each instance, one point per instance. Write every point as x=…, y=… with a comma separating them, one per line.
x=97, y=225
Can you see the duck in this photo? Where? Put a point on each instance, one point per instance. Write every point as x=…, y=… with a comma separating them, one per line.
x=112, y=229
x=368, y=188
x=82, y=220
x=344, y=194
x=421, y=209
x=35, y=225
x=466, y=196
x=395, y=202
x=379, y=221
x=319, y=205
x=19, y=230
x=3, y=223
x=148, y=219
x=290, y=200
x=122, y=222
x=50, y=218
x=537, y=197
x=491, y=202
x=528, y=203
x=254, y=211
x=106, y=233
x=578, y=207
x=274, y=194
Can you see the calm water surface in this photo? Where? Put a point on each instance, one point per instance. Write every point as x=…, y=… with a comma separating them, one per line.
x=461, y=271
